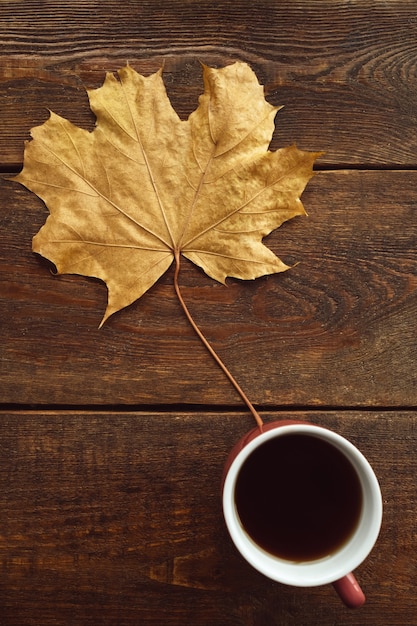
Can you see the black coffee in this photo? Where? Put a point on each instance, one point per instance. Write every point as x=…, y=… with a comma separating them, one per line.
x=298, y=497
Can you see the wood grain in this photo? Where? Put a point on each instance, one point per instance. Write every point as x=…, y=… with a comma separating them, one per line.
x=116, y=519
x=344, y=70
x=112, y=442
x=336, y=329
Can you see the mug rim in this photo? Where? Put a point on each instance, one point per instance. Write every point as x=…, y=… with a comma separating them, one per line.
x=327, y=569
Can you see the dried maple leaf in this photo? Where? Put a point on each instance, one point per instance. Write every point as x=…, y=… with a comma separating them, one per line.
x=143, y=187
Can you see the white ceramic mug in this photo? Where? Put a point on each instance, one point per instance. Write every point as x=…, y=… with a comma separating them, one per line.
x=335, y=568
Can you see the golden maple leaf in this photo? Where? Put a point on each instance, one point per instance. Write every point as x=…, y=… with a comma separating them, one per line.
x=144, y=186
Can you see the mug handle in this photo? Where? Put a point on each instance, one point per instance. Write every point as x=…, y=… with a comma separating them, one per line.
x=349, y=590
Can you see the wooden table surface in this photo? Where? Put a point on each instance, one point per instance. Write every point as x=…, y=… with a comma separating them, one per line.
x=113, y=441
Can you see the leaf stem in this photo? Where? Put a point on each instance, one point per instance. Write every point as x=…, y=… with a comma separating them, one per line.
x=207, y=345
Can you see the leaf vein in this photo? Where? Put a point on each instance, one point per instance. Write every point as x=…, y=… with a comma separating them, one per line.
x=240, y=208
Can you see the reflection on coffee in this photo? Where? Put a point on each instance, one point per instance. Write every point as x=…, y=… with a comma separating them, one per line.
x=298, y=497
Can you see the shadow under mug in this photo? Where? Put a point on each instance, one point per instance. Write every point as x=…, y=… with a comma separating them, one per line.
x=335, y=568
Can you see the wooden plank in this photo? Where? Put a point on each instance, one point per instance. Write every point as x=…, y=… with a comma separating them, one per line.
x=116, y=519
x=336, y=329
x=344, y=71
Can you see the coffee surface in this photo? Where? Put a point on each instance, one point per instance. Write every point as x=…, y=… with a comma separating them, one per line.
x=298, y=497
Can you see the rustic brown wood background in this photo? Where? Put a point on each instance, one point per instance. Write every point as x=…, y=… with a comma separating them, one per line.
x=112, y=441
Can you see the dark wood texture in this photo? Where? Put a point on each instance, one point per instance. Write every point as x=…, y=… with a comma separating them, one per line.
x=112, y=441
x=116, y=519
x=300, y=50
x=337, y=329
